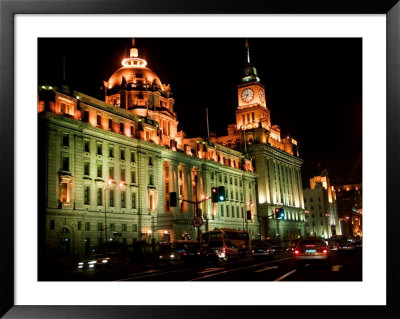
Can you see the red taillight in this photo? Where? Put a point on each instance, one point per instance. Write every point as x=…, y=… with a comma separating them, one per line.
x=296, y=252
x=184, y=254
x=198, y=253
x=252, y=251
x=325, y=251
x=223, y=250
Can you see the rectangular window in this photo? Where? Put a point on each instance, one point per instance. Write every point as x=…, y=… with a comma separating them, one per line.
x=87, y=146
x=85, y=117
x=52, y=224
x=252, y=117
x=65, y=140
x=79, y=225
x=227, y=211
x=122, y=174
x=240, y=182
x=111, y=151
x=133, y=159
x=133, y=200
x=150, y=161
x=151, y=180
x=248, y=118
x=134, y=227
x=86, y=194
x=99, y=170
x=180, y=174
x=237, y=212
x=230, y=180
x=222, y=210
x=151, y=202
x=86, y=168
x=180, y=190
x=111, y=198
x=121, y=128
x=243, y=119
x=124, y=227
x=110, y=124
x=111, y=172
x=132, y=130
x=235, y=181
x=99, y=149
x=99, y=196
x=122, y=154
x=99, y=226
x=65, y=163
x=87, y=226
x=112, y=227
x=242, y=212
x=212, y=176
x=123, y=199
x=98, y=120
x=133, y=177
x=220, y=178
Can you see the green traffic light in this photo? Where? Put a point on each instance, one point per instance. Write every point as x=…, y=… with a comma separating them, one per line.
x=221, y=197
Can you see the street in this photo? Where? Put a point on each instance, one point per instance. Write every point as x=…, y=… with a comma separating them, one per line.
x=343, y=267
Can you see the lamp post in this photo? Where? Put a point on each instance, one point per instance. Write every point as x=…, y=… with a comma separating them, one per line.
x=109, y=183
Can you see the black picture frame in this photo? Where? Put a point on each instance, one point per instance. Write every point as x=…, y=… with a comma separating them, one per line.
x=8, y=10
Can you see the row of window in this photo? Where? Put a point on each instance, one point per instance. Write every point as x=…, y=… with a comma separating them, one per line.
x=230, y=211
x=111, y=126
x=111, y=198
x=111, y=172
x=88, y=226
x=231, y=180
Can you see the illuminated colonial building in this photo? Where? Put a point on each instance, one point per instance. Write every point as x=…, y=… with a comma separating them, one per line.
x=106, y=168
x=349, y=203
x=276, y=159
x=321, y=207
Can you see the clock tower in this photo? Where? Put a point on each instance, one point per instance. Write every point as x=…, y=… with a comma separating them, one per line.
x=252, y=110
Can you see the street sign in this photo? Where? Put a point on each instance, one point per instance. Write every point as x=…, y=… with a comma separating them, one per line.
x=197, y=221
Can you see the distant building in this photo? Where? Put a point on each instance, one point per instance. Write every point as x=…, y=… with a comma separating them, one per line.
x=321, y=207
x=276, y=159
x=349, y=203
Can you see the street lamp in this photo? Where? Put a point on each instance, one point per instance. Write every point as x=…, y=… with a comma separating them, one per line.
x=108, y=185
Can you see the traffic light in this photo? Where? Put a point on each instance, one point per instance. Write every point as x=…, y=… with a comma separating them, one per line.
x=172, y=199
x=276, y=213
x=221, y=193
x=279, y=213
x=214, y=195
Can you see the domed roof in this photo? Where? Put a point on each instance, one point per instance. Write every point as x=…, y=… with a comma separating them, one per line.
x=132, y=74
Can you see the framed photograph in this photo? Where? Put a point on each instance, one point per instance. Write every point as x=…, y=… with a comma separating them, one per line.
x=193, y=159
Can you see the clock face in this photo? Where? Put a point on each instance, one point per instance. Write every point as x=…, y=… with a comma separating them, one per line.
x=247, y=95
x=261, y=95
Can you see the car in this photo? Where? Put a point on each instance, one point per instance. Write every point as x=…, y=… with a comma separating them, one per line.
x=358, y=244
x=96, y=262
x=346, y=247
x=275, y=250
x=290, y=249
x=311, y=251
x=198, y=253
x=261, y=250
x=224, y=249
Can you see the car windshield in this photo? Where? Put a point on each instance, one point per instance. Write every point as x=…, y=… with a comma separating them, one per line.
x=215, y=243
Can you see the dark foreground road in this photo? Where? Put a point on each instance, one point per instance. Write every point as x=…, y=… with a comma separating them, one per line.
x=282, y=268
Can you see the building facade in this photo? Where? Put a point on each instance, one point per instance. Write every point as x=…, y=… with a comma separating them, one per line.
x=321, y=207
x=106, y=168
x=276, y=160
x=349, y=203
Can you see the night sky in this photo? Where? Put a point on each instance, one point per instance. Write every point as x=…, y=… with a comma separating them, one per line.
x=313, y=87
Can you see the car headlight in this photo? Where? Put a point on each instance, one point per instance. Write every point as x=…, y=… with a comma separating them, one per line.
x=91, y=266
x=104, y=261
x=92, y=262
x=80, y=264
x=172, y=256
